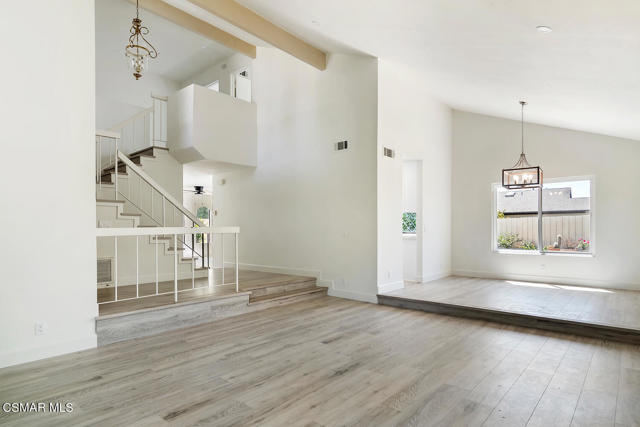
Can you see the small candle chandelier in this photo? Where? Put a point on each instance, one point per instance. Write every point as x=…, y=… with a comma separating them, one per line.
x=522, y=174
x=139, y=51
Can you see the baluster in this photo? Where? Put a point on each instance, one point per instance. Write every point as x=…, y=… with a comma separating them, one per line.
x=137, y=270
x=175, y=268
x=193, y=245
x=156, y=239
x=116, y=160
x=222, y=253
x=115, y=268
x=237, y=281
x=193, y=270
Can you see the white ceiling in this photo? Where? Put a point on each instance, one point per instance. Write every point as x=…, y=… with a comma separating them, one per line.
x=181, y=53
x=485, y=55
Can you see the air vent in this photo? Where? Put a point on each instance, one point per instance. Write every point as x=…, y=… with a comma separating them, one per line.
x=104, y=271
x=342, y=145
x=388, y=152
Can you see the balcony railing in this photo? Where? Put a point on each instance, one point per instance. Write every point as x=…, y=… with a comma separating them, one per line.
x=122, y=235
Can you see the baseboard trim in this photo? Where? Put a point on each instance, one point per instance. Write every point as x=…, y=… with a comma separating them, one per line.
x=561, y=280
x=356, y=296
x=391, y=286
x=36, y=353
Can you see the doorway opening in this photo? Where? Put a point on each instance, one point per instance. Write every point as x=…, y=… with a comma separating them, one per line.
x=412, y=220
x=241, y=84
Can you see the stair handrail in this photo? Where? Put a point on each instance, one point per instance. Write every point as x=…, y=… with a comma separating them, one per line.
x=154, y=124
x=152, y=182
x=118, y=127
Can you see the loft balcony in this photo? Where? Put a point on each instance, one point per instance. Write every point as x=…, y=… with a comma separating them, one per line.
x=212, y=128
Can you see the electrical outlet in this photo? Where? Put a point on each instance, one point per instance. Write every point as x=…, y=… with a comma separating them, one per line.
x=389, y=274
x=543, y=266
x=40, y=328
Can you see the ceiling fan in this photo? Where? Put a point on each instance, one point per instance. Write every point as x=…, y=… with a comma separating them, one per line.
x=198, y=190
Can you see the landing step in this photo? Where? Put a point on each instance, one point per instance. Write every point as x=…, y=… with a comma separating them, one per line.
x=285, y=295
x=150, y=321
x=574, y=327
x=170, y=316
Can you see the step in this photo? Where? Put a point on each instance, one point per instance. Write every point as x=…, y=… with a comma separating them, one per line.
x=280, y=288
x=574, y=327
x=286, y=295
x=149, y=151
x=106, y=179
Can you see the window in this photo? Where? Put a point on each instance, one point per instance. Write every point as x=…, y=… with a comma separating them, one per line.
x=215, y=86
x=408, y=222
x=567, y=220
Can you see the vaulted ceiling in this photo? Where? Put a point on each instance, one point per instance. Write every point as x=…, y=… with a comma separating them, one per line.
x=485, y=55
x=182, y=53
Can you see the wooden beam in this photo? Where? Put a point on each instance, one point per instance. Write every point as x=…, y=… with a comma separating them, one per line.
x=253, y=23
x=177, y=16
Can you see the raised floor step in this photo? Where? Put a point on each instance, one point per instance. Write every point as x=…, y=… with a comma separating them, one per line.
x=285, y=295
x=548, y=323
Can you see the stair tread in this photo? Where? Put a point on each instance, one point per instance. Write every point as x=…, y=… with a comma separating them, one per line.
x=135, y=153
x=283, y=295
x=130, y=214
x=279, y=282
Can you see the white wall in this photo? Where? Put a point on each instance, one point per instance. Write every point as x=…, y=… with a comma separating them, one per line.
x=221, y=71
x=484, y=145
x=418, y=127
x=48, y=122
x=307, y=208
x=207, y=125
x=119, y=95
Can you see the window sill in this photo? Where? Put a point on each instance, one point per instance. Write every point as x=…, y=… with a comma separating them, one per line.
x=409, y=236
x=551, y=253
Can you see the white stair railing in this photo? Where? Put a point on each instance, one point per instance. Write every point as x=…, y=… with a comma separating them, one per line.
x=171, y=211
x=120, y=234
x=147, y=128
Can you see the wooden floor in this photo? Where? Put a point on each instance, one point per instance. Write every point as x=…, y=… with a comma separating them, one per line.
x=329, y=362
x=609, y=307
x=248, y=281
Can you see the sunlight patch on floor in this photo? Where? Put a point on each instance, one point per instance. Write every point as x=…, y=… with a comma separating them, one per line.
x=563, y=287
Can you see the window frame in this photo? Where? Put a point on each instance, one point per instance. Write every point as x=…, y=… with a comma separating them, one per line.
x=540, y=251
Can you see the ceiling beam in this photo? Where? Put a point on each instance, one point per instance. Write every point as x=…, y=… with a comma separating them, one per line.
x=255, y=24
x=177, y=16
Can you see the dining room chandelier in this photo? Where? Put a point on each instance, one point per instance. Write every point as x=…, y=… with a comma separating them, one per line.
x=139, y=50
x=522, y=174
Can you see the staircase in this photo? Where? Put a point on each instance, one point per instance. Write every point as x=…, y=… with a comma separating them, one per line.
x=263, y=287
x=139, y=204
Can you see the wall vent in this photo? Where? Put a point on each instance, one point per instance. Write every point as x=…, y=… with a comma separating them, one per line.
x=388, y=152
x=105, y=274
x=342, y=145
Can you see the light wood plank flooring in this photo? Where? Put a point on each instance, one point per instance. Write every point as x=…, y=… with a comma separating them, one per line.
x=248, y=280
x=609, y=307
x=334, y=362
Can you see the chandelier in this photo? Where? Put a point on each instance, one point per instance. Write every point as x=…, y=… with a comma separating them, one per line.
x=522, y=174
x=139, y=50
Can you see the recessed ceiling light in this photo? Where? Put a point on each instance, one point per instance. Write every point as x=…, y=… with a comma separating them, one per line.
x=543, y=29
